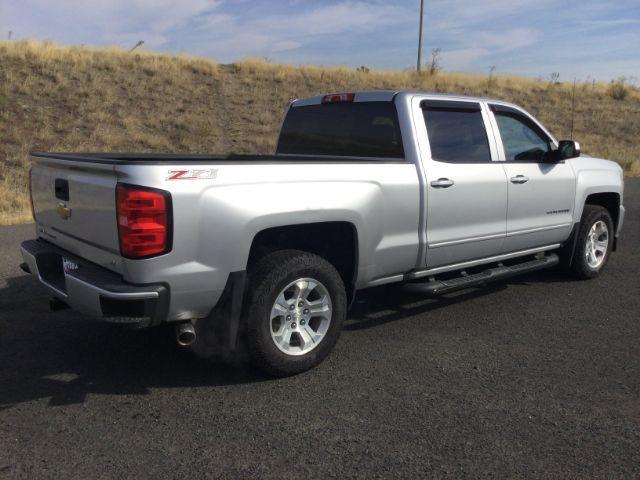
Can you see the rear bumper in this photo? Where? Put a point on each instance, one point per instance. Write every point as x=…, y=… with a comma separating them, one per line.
x=94, y=290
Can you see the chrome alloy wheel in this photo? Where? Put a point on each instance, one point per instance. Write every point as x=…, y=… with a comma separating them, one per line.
x=300, y=316
x=597, y=244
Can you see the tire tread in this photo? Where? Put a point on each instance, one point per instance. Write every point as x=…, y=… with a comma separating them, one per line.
x=263, y=281
x=590, y=215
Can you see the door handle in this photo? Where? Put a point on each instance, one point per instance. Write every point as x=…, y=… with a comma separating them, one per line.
x=519, y=179
x=442, y=183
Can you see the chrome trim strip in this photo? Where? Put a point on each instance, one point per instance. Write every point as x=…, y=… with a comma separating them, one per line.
x=466, y=240
x=539, y=229
x=384, y=280
x=497, y=235
x=473, y=263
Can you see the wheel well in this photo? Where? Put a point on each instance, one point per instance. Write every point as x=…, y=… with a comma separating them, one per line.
x=610, y=201
x=336, y=242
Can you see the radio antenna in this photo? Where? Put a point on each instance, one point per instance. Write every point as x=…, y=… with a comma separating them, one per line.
x=419, y=63
x=573, y=106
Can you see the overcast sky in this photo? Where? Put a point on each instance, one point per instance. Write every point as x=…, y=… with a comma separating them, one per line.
x=586, y=39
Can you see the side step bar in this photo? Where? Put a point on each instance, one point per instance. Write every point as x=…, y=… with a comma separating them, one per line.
x=438, y=287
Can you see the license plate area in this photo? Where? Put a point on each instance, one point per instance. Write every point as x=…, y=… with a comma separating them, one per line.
x=51, y=269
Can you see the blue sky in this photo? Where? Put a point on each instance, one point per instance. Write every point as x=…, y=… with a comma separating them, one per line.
x=586, y=39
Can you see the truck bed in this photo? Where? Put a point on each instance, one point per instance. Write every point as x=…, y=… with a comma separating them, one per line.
x=132, y=158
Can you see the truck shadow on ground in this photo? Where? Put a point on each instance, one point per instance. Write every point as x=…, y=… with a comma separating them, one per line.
x=382, y=305
x=64, y=356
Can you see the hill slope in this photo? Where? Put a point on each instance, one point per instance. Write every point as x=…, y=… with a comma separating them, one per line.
x=80, y=99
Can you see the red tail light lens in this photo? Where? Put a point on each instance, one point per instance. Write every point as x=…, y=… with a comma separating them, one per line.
x=339, y=98
x=144, y=217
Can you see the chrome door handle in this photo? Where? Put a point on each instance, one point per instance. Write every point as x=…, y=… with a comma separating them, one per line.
x=442, y=183
x=519, y=179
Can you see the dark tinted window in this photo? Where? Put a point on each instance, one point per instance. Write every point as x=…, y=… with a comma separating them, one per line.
x=359, y=129
x=522, y=139
x=456, y=132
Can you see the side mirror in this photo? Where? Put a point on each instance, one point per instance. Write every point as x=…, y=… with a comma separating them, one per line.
x=567, y=149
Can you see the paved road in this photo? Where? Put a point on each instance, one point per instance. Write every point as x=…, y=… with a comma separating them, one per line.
x=537, y=377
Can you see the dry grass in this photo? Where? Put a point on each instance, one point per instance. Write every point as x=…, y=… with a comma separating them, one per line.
x=76, y=98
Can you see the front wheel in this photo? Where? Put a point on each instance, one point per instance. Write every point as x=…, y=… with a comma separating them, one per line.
x=296, y=304
x=594, y=242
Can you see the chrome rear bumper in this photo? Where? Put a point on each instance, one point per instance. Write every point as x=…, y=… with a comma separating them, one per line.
x=92, y=289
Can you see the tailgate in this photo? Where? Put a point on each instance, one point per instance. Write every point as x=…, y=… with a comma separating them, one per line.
x=75, y=206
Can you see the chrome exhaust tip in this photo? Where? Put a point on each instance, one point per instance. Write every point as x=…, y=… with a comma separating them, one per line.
x=185, y=334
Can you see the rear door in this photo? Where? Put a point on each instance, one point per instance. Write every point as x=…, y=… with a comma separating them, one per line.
x=466, y=193
x=541, y=194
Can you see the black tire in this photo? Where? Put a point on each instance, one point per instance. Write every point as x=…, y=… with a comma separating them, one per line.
x=266, y=280
x=579, y=265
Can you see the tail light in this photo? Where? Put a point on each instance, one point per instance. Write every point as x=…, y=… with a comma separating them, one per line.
x=33, y=211
x=339, y=98
x=144, y=221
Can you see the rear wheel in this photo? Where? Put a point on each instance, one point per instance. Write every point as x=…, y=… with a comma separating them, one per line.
x=296, y=304
x=594, y=242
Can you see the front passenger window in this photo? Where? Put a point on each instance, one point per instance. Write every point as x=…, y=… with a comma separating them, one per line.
x=521, y=138
x=456, y=131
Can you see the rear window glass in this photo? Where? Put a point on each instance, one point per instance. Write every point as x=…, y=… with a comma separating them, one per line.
x=359, y=129
x=457, y=134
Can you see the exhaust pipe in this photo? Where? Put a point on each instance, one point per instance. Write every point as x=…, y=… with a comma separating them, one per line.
x=185, y=334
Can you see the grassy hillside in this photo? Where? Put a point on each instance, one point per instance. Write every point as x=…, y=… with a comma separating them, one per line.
x=81, y=99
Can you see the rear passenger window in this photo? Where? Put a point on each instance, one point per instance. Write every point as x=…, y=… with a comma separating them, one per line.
x=456, y=131
x=358, y=129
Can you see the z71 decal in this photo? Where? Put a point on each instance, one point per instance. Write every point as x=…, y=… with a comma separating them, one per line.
x=193, y=174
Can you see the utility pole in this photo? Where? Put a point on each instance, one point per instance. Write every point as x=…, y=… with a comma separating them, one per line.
x=420, y=36
x=573, y=106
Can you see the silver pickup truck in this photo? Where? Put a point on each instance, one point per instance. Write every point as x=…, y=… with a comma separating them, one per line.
x=438, y=192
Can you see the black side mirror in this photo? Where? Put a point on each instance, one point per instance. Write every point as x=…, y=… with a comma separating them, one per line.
x=567, y=149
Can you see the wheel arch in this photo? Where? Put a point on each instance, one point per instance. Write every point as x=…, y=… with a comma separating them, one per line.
x=608, y=200
x=599, y=186
x=335, y=241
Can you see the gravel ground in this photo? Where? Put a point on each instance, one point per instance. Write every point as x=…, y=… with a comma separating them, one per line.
x=536, y=377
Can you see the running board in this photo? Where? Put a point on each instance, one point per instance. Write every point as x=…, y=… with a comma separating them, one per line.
x=438, y=287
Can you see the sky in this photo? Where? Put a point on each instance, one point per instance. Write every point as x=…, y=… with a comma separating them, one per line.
x=584, y=39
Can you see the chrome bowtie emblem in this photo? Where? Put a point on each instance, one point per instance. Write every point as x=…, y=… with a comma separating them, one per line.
x=63, y=211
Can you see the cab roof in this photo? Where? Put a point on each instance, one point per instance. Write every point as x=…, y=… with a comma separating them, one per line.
x=390, y=95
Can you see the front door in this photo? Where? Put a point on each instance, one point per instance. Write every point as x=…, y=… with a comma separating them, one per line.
x=466, y=191
x=541, y=193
